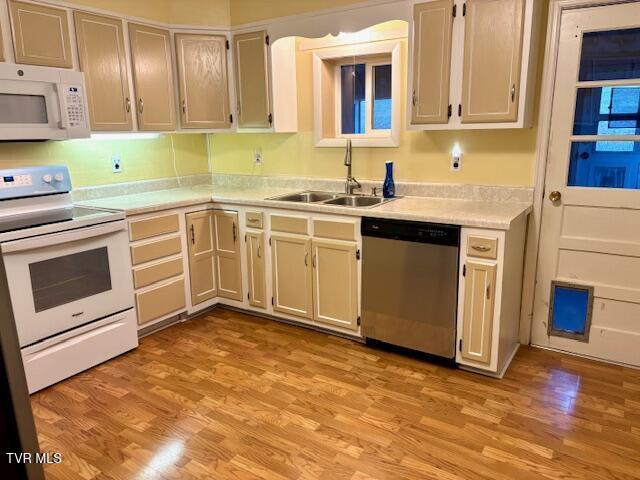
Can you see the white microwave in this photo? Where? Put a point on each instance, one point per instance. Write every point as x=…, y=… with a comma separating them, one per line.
x=42, y=103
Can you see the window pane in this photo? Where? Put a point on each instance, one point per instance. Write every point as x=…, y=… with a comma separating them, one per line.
x=352, y=82
x=607, y=111
x=610, y=55
x=69, y=278
x=571, y=310
x=382, y=97
x=604, y=164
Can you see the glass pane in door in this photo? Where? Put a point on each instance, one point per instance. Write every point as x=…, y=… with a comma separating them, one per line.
x=610, y=55
x=61, y=280
x=605, y=164
x=607, y=111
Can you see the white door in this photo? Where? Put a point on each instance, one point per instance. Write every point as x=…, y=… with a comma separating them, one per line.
x=588, y=282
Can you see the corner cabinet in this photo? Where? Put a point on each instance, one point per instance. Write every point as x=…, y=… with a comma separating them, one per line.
x=251, y=66
x=40, y=35
x=101, y=50
x=482, y=73
x=228, y=266
x=203, y=81
x=489, y=295
x=202, y=252
x=153, y=77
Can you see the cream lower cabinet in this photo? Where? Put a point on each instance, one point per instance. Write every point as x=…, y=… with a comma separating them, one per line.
x=214, y=255
x=335, y=283
x=489, y=294
x=256, y=269
x=292, y=275
x=158, y=266
x=202, y=261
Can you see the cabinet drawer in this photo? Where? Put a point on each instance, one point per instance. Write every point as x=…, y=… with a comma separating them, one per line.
x=152, y=227
x=143, y=276
x=282, y=223
x=154, y=250
x=483, y=247
x=254, y=219
x=160, y=301
x=337, y=230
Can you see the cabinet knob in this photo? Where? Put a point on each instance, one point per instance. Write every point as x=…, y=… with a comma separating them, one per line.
x=555, y=196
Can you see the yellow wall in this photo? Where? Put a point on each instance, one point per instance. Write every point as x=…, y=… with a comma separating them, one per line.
x=89, y=161
x=500, y=157
x=191, y=12
x=247, y=11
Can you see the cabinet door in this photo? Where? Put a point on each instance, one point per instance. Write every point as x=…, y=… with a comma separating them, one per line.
x=200, y=238
x=292, y=275
x=477, y=320
x=256, y=270
x=102, y=59
x=335, y=283
x=228, y=255
x=492, y=60
x=252, y=84
x=153, y=77
x=202, y=75
x=432, y=27
x=40, y=35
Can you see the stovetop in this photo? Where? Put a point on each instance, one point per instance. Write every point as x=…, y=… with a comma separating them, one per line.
x=13, y=223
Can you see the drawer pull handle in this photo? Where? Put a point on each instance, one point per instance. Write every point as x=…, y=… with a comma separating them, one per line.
x=141, y=106
x=481, y=248
x=252, y=220
x=127, y=103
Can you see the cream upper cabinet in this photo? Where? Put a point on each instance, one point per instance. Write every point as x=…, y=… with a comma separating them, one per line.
x=153, y=77
x=292, y=275
x=229, y=270
x=1, y=46
x=473, y=64
x=433, y=22
x=202, y=76
x=200, y=241
x=477, y=326
x=101, y=49
x=492, y=60
x=252, y=84
x=256, y=269
x=335, y=283
x=40, y=35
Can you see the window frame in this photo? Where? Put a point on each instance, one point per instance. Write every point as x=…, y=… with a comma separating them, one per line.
x=369, y=62
x=327, y=113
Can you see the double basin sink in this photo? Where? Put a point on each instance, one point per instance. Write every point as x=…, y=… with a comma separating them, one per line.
x=333, y=199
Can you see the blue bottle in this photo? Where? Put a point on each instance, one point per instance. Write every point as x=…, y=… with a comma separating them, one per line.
x=389, y=187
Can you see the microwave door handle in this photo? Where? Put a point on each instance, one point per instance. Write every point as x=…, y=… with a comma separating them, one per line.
x=63, y=237
x=63, y=123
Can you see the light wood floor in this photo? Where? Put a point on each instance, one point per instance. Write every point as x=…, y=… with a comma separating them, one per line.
x=233, y=396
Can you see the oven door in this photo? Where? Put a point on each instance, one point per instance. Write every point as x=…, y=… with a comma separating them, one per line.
x=63, y=280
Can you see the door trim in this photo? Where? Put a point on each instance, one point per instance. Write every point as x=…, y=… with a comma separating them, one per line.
x=556, y=10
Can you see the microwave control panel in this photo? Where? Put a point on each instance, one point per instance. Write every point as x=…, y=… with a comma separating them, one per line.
x=75, y=107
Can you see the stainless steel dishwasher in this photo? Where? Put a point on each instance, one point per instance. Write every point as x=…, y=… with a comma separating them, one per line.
x=410, y=284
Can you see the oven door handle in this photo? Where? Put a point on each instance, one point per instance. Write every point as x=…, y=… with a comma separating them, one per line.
x=63, y=237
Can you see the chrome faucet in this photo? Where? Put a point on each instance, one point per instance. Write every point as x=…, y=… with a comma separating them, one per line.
x=351, y=184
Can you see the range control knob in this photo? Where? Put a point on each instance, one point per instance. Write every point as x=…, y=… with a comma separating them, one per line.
x=46, y=178
x=59, y=177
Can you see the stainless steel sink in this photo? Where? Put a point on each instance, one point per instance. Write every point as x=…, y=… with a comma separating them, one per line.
x=333, y=199
x=357, y=201
x=306, y=197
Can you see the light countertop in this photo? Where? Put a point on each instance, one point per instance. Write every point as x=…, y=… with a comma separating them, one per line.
x=468, y=213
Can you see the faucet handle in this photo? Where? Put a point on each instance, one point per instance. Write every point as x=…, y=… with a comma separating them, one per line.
x=374, y=191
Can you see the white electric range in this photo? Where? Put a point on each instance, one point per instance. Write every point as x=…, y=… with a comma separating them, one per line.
x=68, y=273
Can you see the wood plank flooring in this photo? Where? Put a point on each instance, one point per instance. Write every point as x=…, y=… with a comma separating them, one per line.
x=231, y=396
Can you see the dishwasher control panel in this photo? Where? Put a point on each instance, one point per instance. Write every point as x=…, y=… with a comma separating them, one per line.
x=421, y=232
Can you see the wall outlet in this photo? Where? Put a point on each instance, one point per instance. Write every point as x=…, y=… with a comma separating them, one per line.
x=257, y=156
x=116, y=163
x=456, y=159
